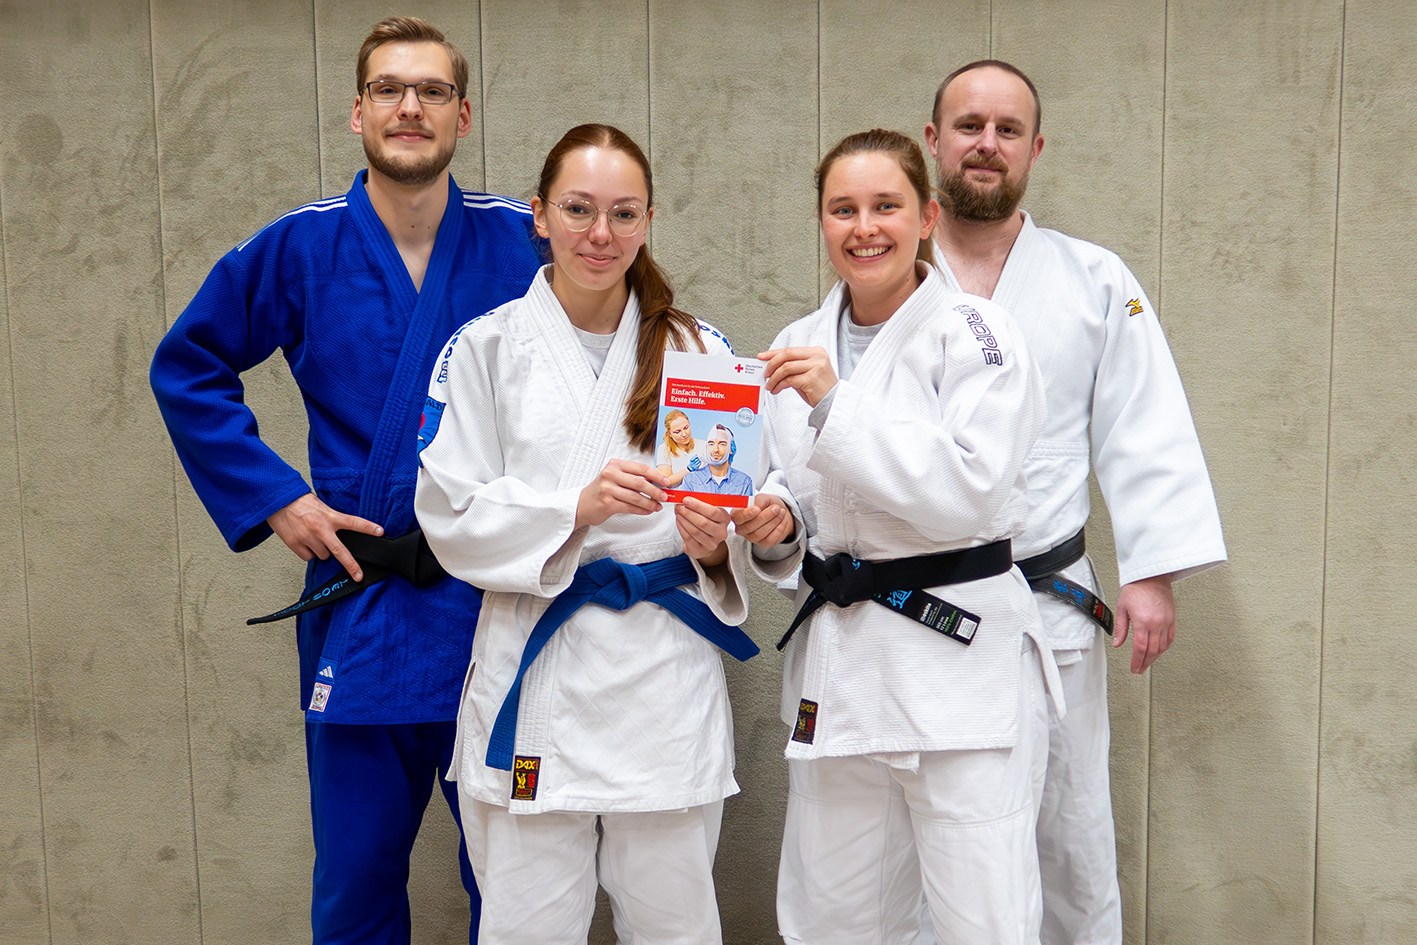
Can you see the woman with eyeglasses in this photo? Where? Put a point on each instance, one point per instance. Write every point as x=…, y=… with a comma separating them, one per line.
x=901, y=415
x=595, y=739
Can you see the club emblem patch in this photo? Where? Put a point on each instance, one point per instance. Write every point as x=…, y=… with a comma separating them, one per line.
x=428, y=424
x=526, y=773
x=806, y=728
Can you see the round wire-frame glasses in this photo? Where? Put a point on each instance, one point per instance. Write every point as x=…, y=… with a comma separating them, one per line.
x=579, y=215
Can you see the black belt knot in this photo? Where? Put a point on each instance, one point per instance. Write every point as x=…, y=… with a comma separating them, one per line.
x=841, y=579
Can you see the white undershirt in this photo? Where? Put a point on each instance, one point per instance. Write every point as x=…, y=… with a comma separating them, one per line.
x=852, y=340
x=596, y=348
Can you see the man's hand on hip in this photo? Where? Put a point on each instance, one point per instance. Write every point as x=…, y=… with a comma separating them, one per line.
x=308, y=526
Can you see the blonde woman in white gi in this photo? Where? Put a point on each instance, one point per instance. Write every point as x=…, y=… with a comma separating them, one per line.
x=900, y=418
x=594, y=738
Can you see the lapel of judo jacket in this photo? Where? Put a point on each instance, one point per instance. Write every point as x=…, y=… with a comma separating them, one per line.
x=396, y=433
x=601, y=400
x=1018, y=268
x=872, y=373
x=900, y=330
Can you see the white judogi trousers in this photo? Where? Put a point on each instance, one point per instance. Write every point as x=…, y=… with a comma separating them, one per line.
x=865, y=834
x=1076, y=841
x=538, y=873
x=1077, y=844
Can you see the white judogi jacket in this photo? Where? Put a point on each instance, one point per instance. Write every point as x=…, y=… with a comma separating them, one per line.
x=627, y=711
x=922, y=452
x=1113, y=394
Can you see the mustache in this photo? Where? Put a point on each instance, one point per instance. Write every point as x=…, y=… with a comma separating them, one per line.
x=993, y=162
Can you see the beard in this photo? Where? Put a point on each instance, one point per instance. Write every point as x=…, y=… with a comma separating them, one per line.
x=965, y=200
x=409, y=171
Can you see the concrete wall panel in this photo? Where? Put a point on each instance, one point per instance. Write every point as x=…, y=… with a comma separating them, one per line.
x=734, y=125
x=881, y=66
x=226, y=169
x=550, y=65
x=733, y=91
x=84, y=275
x=23, y=904
x=1099, y=178
x=1235, y=715
x=1368, y=734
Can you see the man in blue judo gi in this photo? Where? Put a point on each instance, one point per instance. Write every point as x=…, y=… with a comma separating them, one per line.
x=361, y=293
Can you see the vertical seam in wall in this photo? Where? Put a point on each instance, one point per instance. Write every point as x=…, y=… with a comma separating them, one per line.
x=820, y=264
x=319, y=125
x=482, y=88
x=25, y=571
x=1159, y=305
x=1328, y=461
x=176, y=521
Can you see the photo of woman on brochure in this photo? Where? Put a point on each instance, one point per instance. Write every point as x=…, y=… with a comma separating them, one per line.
x=679, y=453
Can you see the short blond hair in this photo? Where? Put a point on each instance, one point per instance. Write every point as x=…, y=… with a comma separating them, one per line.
x=409, y=29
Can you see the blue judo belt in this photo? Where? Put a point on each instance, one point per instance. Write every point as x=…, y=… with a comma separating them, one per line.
x=619, y=587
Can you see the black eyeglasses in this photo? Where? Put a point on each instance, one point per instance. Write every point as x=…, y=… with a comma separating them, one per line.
x=386, y=92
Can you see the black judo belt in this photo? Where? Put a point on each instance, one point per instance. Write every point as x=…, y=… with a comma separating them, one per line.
x=1042, y=574
x=898, y=584
x=408, y=556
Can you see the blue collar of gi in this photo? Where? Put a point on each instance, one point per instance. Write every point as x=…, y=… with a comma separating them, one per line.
x=618, y=586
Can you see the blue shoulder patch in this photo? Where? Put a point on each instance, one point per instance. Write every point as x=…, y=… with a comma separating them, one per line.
x=428, y=424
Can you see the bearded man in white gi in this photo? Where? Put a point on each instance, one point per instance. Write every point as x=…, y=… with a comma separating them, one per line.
x=1107, y=370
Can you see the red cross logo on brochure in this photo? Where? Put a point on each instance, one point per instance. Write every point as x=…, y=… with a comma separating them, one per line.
x=738, y=367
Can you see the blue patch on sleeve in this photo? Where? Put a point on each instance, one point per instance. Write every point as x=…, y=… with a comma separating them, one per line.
x=428, y=426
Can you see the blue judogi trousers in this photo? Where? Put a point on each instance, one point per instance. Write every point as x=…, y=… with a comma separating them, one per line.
x=369, y=787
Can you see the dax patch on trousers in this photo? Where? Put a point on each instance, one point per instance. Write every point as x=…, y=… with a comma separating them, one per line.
x=526, y=773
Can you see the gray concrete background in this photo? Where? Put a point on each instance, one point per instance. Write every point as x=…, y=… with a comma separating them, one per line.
x=1250, y=161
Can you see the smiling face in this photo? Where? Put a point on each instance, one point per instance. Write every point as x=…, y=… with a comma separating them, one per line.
x=984, y=142
x=872, y=224
x=410, y=143
x=590, y=265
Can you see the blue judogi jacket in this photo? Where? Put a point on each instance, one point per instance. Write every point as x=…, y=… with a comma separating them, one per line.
x=326, y=285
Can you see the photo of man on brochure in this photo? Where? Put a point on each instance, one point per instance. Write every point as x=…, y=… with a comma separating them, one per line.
x=719, y=478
